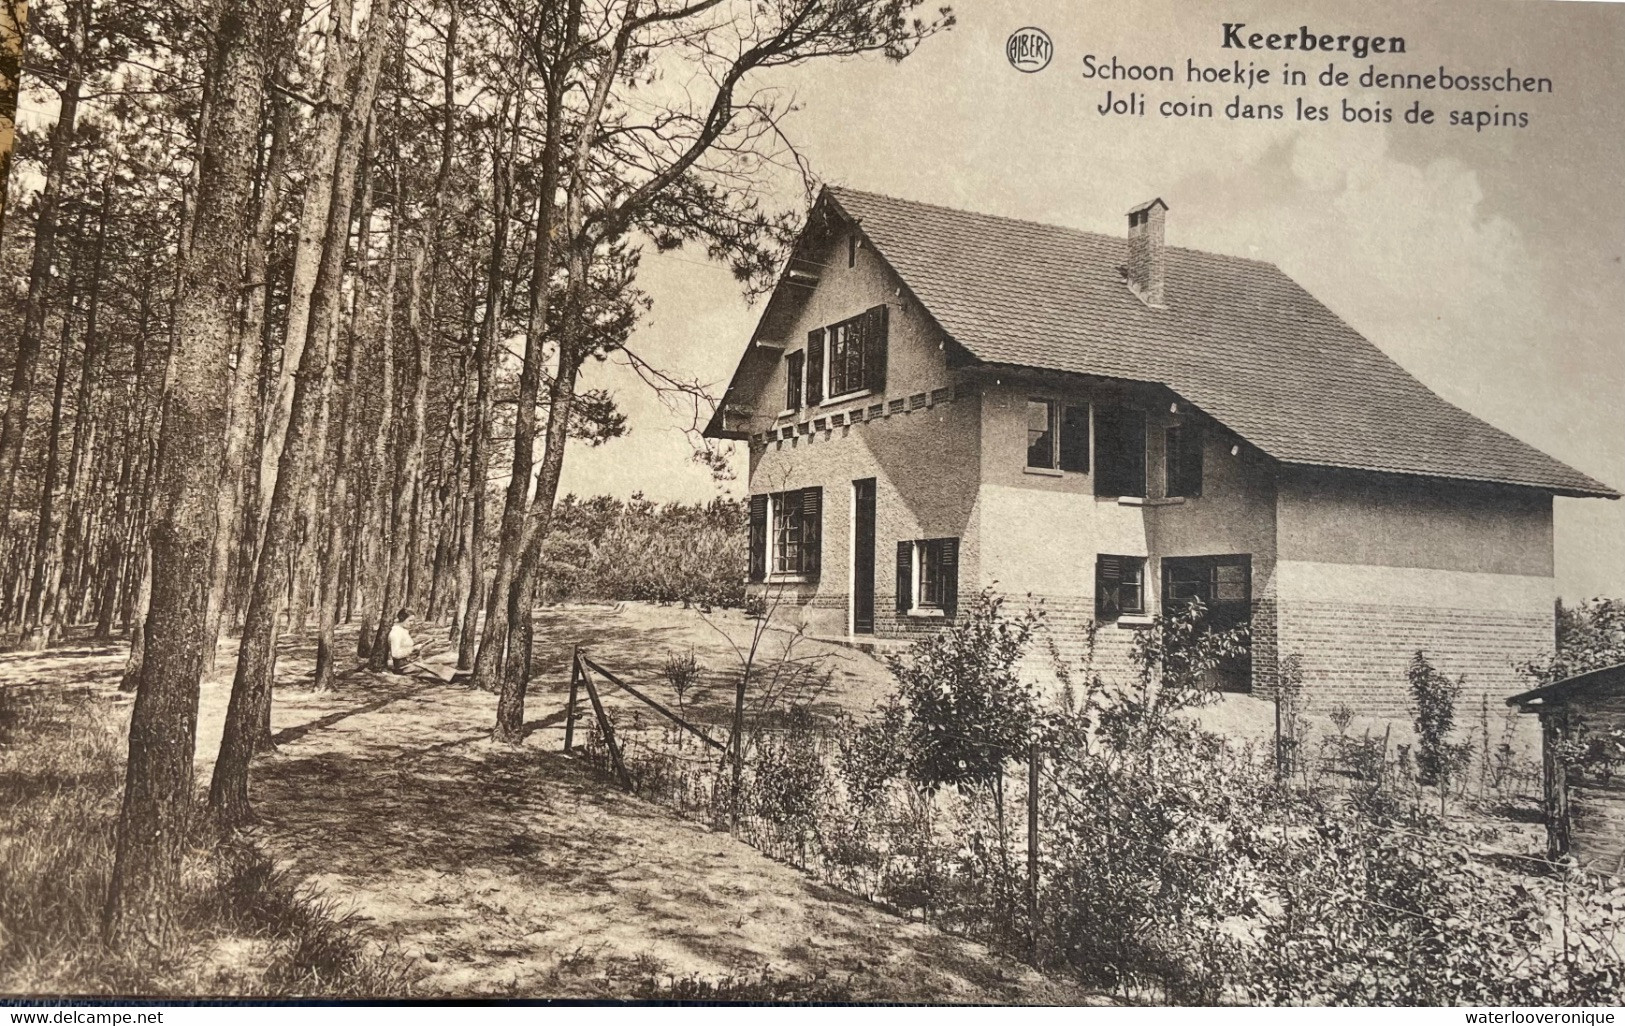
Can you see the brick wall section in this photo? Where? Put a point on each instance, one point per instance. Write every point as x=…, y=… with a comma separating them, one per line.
x=1357, y=653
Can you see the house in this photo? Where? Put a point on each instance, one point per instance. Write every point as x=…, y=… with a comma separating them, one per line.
x=1582, y=722
x=938, y=401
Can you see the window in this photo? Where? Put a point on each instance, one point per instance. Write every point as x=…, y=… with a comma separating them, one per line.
x=852, y=249
x=1183, y=457
x=1057, y=436
x=785, y=529
x=1041, y=435
x=928, y=576
x=1119, y=586
x=793, y=365
x=928, y=555
x=1224, y=586
x=1222, y=583
x=847, y=357
x=1119, y=451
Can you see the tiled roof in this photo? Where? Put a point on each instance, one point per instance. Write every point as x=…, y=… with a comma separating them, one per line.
x=1238, y=338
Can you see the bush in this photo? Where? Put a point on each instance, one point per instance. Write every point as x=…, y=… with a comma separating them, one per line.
x=969, y=711
x=1433, y=701
x=606, y=549
x=1590, y=636
x=1174, y=865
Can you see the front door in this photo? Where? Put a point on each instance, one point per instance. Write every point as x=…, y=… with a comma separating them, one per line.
x=1224, y=586
x=863, y=556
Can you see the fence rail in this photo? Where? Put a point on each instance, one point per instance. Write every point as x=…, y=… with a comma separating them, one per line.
x=582, y=671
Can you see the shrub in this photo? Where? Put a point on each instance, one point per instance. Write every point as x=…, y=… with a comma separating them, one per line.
x=1173, y=864
x=682, y=672
x=1433, y=701
x=969, y=711
x=604, y=548
x=1590, y=636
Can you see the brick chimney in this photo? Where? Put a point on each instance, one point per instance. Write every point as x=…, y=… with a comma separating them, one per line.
x=1147, y=266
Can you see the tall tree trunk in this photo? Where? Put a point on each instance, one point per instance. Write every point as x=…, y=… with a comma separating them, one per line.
x=377, y=570
x=339, y=416
x=15, y=424
x=309, y=250
x=408, y=480
x=244, y=405
x=405, y=523
x=492, y=653
x=72, y=541
x=572, y=348
x=116, y=552
x=46, y=526
x=13, y=29
x=158, y=778
x=250, y=703
x=561, y=399
x=479, y=460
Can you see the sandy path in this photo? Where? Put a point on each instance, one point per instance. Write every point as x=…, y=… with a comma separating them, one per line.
x=517, y=871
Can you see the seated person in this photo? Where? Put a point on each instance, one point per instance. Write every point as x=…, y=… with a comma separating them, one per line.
x=400, y=642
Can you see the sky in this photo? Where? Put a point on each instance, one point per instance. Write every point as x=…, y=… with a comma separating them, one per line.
x=1487, y=263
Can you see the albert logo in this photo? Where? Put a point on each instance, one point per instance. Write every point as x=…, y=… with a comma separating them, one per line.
x=1029, y=49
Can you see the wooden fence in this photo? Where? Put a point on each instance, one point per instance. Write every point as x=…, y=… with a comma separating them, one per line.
x=582, y=670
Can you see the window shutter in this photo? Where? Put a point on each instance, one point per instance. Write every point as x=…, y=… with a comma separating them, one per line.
x=792, y=380
x=1108, y=578
x=950, y=576
x=1119, y=451
x=874, y=346
x=812, y=502
x=1075, y=438
x=815, y=366
x=1191, y=459
x=1134, y=453
x=758, y=537
x=905, y=576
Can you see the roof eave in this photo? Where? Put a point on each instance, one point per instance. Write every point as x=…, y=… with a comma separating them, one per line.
x=1542, y=697
x=1599, y=491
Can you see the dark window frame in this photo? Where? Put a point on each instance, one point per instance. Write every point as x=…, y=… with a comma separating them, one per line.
x=1118, y=473
x=1115, y=578
x=1205, y=583
x=1048, y=439
x=931, y=585
x=844, y=358
x=928, y=577
x=794, y=366
x=1182, y=460
x=793, y=534
x=1069, y=436
x=1221, y=613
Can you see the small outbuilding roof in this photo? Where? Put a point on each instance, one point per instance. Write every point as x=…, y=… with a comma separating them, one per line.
x=1580, y=685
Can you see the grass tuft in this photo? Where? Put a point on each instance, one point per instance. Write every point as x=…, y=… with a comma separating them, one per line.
x=245, y=927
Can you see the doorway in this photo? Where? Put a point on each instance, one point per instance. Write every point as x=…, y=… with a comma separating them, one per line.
x=863, y=556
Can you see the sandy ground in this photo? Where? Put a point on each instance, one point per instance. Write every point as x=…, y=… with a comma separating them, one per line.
x=515, y=871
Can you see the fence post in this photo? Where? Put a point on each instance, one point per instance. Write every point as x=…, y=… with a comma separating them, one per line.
x=1280, y=762
x=1033, y=756
x=608, y=730
x=738, y=749
x=570, y=710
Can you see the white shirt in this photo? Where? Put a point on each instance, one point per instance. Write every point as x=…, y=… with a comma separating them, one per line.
x=400, y=642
